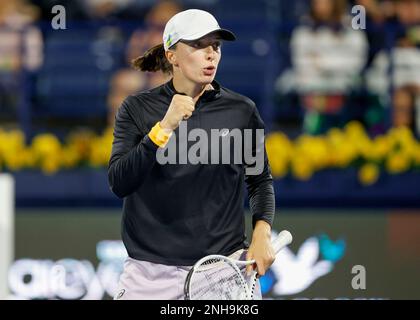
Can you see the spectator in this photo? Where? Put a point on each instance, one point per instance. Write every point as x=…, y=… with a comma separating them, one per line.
x=123, y=83
x=21, y=49
x=151, y=35
x=405, y=55
x=128, y=81
x=105, y=10
x=327, y=59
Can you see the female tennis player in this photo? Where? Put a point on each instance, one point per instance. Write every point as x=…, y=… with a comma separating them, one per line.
x=176, y=213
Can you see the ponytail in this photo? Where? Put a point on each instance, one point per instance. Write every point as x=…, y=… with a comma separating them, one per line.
x=153, y=60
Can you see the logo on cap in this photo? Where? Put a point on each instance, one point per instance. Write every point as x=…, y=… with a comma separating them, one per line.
x=169, y=41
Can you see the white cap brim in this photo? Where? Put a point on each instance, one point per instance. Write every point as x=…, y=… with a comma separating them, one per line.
x=224, y=35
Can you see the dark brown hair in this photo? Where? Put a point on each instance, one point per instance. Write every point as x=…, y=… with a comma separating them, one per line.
x=153, y=60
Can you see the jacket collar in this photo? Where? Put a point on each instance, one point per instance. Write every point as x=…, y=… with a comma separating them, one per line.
x=208, y=95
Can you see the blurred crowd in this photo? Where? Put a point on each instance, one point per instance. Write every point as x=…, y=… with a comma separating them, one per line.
x=336, y=73
x=336, y=66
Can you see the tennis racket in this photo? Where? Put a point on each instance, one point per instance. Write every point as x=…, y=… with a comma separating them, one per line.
x=216, y=277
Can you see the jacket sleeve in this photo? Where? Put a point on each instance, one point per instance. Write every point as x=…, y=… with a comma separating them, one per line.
x=133, y=152
x=260, y=185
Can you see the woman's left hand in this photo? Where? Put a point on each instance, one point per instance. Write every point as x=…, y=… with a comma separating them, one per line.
x=261, y=249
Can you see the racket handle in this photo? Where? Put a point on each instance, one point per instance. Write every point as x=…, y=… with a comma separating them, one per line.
x=283, y=239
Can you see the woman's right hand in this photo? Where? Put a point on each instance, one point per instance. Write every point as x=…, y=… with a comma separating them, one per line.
x=181, y=108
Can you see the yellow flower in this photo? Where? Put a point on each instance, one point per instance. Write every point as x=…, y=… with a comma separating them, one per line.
x=342, y=156
x=12, y=145
x=397, y=162
x=28, y=158
x=323, y=159
x=278, y=167
x=403, y=133
x=301, y=168
x=416, y=154
x=335, y=137
x=70, y=157
x=279, y=151
x=107, y=140
x=401, y=137
x=381, y=146
x=109, y=134
x=278, y=145
x=45, y=145
x=354, y=130
x=303, y=157
x=315, y=149
x=51, y=165
x=46, y=149
x=368, y=174
x=100, y=152
x=81, y=141
x=15, y=161
x=12, y=141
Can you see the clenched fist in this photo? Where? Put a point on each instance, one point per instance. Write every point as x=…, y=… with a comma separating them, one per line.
x=181, y=108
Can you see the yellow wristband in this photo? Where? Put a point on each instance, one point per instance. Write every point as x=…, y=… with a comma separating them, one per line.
x=160, y=136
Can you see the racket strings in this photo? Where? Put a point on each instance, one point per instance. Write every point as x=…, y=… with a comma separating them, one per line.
x=217, y=280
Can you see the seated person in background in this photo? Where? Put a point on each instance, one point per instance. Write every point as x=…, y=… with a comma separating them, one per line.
x=327, y=59
x=110, y=10
x=405, y=57
x=143, y=39
x=21, y=49
x=123, y=83
x=127, y=81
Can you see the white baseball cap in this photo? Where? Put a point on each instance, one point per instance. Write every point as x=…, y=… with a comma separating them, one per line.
x=192, y=24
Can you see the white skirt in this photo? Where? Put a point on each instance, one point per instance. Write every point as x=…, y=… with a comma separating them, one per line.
x=143, y=280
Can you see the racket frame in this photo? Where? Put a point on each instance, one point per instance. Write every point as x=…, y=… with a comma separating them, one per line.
x=235, y=264
x=283, y=239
